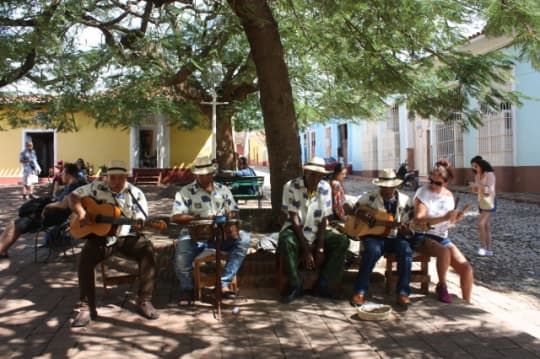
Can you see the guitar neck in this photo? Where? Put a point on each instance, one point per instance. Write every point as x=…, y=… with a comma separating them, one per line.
x=114, y=220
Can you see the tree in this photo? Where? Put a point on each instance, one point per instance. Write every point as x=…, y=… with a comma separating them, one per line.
x=346, y=59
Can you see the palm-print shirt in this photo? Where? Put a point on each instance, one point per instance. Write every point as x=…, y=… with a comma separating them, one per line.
x=311, y=209
x=32, y=166
x=194, y=200
x=100, y=191
x=401, y=207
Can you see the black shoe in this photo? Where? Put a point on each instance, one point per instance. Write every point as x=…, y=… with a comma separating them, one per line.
x=32, y=196
x=294, y=293
x=188, y=296
x=4, y=256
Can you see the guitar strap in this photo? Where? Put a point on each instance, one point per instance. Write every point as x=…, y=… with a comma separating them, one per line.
x=137, y=203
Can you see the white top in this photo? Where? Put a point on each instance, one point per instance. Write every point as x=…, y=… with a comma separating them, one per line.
x=194, y=200
x=311, y=210
x=438, y=204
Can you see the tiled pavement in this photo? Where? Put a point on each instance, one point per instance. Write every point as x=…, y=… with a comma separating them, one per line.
x=36, y=307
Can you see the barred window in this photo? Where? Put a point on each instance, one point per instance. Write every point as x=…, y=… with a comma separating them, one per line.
x=495, y=137
x=390, y=139
x=449, y=140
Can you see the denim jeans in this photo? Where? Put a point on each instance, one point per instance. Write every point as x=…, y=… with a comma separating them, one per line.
x=374, y=248
x=187, y=250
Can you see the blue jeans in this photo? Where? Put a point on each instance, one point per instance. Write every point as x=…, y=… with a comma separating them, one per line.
x=374, y=248
x=187, y=250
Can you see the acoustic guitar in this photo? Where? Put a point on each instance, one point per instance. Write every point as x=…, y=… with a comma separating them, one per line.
x=105, y=218
x=356, y=226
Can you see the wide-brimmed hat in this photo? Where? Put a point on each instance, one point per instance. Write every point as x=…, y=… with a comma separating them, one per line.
x=116, y=167
x=387, y=178
x=203, y=166
x=316, y=164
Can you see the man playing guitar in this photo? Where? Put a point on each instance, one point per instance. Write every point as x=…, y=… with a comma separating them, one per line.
x=132, y=204
x=397, y=207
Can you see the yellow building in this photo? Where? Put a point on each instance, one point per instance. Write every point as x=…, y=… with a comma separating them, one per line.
x=154, y=145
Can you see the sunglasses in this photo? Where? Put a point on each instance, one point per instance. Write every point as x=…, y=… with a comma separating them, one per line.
x=436, y=183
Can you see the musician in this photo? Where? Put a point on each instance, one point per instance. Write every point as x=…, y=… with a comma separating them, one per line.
x=307, y=201
x=125, y=239
x=204, y=199
x=387, y=199
x=53, y=213
x=435, y=205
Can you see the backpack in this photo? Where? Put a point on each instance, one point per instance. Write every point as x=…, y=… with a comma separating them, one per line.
x=34, y=207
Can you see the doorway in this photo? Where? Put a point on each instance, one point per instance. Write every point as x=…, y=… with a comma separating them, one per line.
x=148, y=155
x=44, y=146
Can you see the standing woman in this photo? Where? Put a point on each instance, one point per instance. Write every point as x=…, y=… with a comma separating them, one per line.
x=338, y=193
x=434, y=206
x=31, y=169
x=484, y=186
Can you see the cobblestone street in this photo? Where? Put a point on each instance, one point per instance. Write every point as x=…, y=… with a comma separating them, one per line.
x=37, y=302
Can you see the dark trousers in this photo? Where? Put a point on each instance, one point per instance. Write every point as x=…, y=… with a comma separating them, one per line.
x=335, y=249
x=95, y=251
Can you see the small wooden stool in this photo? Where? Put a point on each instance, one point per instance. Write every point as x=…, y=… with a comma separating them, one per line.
x=417, y=275
x=208, y=279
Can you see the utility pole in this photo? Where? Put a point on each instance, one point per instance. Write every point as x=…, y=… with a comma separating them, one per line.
x=214, y=104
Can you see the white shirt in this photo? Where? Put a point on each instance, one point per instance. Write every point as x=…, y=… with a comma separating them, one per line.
x=194, y=200
x=437, y=205
x=311, y=210
x=100, y=191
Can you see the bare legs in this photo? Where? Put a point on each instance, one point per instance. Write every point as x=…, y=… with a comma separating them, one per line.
x=484, y=230
x=450, y=256
x=8, y=237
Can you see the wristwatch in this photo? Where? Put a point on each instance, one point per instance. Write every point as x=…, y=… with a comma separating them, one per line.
x=320, y=250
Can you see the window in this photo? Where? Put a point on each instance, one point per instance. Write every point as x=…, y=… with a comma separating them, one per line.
x=390, y=139
x=449, y=140
x=495, y=137
x=328, y=141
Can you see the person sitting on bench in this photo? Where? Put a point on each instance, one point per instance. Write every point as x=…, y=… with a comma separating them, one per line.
x=307, y=200
x=41, y=212
x=396, y=207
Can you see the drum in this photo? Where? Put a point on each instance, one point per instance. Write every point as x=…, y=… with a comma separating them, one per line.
x=201, y=230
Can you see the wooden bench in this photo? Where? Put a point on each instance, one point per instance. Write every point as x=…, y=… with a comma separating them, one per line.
x=147, y=176
x=418, y=275
x=240, y=185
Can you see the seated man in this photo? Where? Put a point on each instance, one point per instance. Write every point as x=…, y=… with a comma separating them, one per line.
x=46, y=213
x=205, y=199
x=307, y=201
x=132, y=203
x=388, y=200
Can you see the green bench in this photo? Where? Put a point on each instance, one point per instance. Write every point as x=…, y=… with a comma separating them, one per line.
x=240, y=186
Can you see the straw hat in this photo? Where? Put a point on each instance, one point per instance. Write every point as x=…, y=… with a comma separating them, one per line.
x=116, y=167
x=316, y=164
x=203, y=166
x=387, y=178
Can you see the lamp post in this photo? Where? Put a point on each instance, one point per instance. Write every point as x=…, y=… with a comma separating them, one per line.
x=214, y=104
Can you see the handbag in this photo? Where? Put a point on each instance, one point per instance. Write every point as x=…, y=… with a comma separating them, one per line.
x=486, y=202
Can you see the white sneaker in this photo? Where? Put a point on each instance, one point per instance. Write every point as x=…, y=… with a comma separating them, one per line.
x=482, y=252
x=489, y=253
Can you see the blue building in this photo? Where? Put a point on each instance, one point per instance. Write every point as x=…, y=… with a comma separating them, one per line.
x=507, y=138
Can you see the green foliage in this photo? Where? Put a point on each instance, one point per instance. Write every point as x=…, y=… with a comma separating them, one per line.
x=346, y=58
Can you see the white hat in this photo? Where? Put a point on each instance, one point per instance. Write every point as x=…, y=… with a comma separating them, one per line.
x=387, y=178
x=203, y=166
x=116, y=167
x=316, y=164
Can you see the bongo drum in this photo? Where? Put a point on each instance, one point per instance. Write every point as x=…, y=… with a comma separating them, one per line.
x=201, y=230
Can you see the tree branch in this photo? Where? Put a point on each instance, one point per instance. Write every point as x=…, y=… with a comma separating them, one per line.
x=16, y=74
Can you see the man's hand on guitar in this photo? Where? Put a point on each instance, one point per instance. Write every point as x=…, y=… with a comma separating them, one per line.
x=138, y=225
x=405, y=230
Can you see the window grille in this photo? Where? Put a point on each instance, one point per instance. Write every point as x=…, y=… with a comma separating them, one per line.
x=449, y=140
x=495, y=137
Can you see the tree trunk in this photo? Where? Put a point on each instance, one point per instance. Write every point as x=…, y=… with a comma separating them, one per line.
x=275, y=91
x=224, y=140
